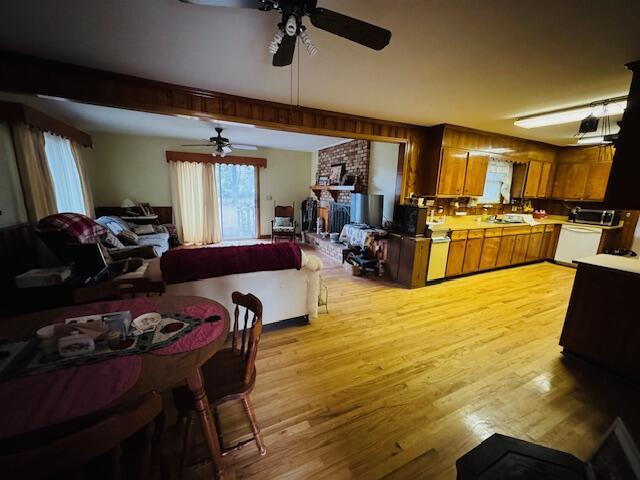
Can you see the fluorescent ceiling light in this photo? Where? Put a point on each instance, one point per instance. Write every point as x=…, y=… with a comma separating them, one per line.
x=49, y=97
x=615, y=107
x=596, y=140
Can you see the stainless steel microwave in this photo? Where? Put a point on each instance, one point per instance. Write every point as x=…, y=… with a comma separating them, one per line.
x=595, y=217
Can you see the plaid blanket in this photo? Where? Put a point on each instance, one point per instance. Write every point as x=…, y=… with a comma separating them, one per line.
x=80, y=228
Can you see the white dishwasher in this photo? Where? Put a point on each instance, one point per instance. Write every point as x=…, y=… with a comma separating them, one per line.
x=577, y=241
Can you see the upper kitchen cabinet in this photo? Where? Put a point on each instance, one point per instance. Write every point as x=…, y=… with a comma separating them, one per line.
x=474, y=180
x=582, y=173
x=453, y=168
x=456, y=160
x=532, y=184
x=544, y=186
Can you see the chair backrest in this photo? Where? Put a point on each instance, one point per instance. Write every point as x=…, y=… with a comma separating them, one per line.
x=248, y=335
x=285, y=211
x=117, y=289
x=81, y=446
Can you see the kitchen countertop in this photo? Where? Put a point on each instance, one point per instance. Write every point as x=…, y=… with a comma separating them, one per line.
x=613, y=262
x=470, y=222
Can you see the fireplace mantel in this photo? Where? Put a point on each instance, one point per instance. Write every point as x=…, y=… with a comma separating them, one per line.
x=332, y=189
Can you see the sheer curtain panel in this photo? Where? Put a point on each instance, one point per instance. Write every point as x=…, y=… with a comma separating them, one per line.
x=64, y=172
x=35, y=176
x=195, y=202
x=87, y=196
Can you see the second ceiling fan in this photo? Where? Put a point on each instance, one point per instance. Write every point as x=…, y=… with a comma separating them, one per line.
x=290, y=28
x=221, y=145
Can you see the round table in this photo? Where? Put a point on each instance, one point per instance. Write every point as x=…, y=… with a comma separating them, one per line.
x=158, y=372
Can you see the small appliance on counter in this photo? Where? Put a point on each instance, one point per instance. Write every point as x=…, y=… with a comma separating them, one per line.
x=608, y=218
x=410, y=220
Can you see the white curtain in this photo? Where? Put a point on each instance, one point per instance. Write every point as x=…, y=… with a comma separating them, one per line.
x=87, y=196
x=64, y=172
x=195, y=202
x=35, y=174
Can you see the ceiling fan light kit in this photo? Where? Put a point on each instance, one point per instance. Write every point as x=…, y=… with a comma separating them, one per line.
x=221, y=145
x=291, y=28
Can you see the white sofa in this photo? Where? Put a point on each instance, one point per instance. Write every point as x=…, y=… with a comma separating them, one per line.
x=285, y=294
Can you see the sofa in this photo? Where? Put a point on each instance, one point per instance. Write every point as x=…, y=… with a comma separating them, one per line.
x=126, y=235
x=286, y=294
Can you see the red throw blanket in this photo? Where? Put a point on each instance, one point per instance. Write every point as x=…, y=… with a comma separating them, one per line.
x=188, y=264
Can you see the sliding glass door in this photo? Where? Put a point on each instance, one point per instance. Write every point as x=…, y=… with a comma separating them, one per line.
x=238, y=200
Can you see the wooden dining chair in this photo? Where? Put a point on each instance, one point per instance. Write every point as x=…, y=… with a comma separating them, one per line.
x=118, y=289
x=229, y=375
x=64, y=451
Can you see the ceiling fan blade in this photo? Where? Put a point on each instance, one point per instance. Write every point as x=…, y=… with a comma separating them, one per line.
x=351, y=28
x=227, y=3
x=284, y=55
x=244, y=147
x=198, y=145
x=227, y=149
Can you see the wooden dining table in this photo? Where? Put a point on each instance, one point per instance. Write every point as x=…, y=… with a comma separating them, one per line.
x=158, y=371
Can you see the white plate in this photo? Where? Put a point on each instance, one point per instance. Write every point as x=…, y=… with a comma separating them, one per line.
x=147, y=321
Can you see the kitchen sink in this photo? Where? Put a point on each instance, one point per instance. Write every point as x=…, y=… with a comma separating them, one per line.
x=503, y=221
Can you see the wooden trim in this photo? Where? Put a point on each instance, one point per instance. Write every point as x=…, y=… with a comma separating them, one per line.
x=18, y=112
x=258, y=229
x=208, y=158
x=31, y=75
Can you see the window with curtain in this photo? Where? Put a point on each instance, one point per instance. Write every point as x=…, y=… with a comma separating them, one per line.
x=65, y=175
x=238, y=199
x=497, y=185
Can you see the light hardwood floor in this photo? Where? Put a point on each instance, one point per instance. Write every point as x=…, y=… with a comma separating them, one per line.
x=397, y=384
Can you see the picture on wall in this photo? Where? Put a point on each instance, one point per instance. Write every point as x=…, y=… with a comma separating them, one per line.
x=335, y=173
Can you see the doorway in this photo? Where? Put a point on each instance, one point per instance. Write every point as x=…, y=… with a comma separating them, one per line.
x=238, y=200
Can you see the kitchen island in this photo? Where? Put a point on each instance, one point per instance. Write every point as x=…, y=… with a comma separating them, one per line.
x=602, y=324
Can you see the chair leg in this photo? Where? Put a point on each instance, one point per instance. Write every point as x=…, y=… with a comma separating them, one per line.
x=248, y=406
x=147, y=451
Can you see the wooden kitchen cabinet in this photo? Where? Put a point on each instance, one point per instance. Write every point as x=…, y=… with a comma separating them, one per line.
x=490, y=249
x=505, y=252
x=544, y=189
x=520, y=249
x=534, y=247
x=532, y=183
x=570, y=180
x=453, y=167
x=476, y=175
x=455, y=259
x=408, y=258
x=472, y=254
x=597, y=180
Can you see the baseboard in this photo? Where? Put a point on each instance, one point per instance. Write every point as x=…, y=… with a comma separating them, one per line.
x=289, y=322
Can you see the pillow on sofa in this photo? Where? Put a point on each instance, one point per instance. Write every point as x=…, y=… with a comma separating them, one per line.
x=128, y=237
x=109, y=240
x=144, y=229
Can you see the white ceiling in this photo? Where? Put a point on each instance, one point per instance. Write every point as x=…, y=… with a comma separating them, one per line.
x=93, y=118
x=468, y=62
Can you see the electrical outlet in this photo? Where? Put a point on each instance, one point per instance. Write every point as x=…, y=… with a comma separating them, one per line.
x=269, y=197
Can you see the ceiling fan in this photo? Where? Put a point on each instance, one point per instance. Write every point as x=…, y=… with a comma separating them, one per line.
x=222, y=146
x=290, y=28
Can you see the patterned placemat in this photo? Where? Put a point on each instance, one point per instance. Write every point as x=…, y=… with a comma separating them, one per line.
x=28, y=359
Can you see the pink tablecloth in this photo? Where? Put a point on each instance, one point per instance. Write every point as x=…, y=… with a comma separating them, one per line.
x=38, y=401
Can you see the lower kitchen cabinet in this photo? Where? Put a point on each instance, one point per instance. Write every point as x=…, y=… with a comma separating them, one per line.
x=455, y=259
x=535, y=244
x=505, y=252
x=407, y=259
x=490, y=249
x=472, y=255
x=520, y=249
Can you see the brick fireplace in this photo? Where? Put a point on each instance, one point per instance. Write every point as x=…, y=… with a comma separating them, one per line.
x=354, y=155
